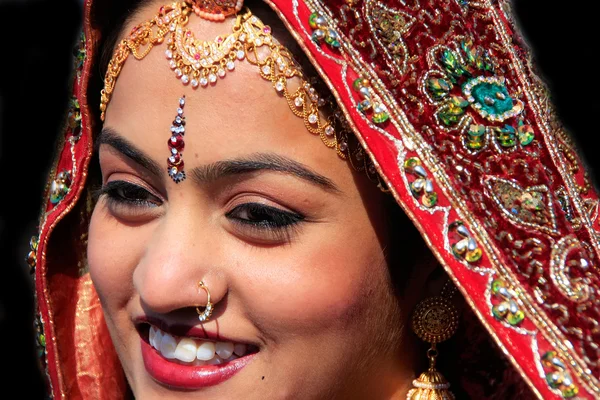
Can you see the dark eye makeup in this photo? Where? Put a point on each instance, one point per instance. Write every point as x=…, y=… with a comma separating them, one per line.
x=260, y=221
x=127, y=194
x=263, y=216
x=254, y=219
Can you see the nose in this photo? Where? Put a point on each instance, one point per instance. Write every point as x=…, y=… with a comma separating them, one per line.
x=181, y=253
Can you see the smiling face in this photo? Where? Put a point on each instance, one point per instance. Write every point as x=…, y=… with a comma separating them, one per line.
x=287, y=238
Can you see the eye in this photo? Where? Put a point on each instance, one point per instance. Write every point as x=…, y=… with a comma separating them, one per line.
x=263, y=216
x=262, y=220
x=125, y=198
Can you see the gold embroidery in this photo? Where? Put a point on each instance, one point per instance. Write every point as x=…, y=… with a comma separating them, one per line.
x=566, y=255
x=530, y=207
x=389, y=26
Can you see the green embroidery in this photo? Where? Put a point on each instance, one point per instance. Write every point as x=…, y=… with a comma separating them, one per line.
x=466, y=247
x=493, y=98
x=422, y=186
x=380, y=112
x=507, y=309
x=439, y=87
x=557, y=375
x=475, y=137
x=60, y=187
x=322, y=32
x=470, y=89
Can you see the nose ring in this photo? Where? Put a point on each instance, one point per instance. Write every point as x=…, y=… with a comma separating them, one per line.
x=205, y=315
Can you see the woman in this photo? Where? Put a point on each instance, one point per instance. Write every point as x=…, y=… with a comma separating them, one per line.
x=222, y=224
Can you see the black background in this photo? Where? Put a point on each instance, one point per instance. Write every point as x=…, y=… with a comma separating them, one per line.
x=37, y=41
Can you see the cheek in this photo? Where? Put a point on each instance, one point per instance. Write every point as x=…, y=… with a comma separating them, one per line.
x=112, y=254
x=324, y=285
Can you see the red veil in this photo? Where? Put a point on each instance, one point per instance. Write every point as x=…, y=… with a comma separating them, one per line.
x=512, y=216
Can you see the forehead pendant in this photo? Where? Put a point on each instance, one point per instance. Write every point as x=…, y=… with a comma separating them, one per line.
x=176, y=145
x=200, y=63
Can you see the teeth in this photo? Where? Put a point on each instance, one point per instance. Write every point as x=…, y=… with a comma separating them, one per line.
x=216, y=360
x=152, y=336
x=157, y=339
x=239, y=349
x=224, y=349
x=206, y=351
x=199, y=352
x=168, y=345
x=186, y=350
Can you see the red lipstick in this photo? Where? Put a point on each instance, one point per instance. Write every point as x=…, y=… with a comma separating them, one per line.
x=189, y=376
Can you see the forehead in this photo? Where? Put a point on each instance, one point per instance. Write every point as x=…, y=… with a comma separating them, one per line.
x=239, y=114
x=153, y=83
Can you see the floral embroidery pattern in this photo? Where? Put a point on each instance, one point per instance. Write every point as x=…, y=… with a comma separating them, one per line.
x=466, y=89
x=74, y=117
x=380, y=114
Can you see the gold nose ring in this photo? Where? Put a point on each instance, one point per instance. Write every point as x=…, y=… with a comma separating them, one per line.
x=205, y=315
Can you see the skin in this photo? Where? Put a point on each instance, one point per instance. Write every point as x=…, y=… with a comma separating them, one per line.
x=317, y=299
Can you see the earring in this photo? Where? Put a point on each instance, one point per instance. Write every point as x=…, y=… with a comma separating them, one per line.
x=434, y=320
x=205, y=315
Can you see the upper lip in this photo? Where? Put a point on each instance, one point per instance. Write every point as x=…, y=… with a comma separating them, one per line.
x=180, y=329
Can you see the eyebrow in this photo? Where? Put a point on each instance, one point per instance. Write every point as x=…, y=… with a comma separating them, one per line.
x=212, y=172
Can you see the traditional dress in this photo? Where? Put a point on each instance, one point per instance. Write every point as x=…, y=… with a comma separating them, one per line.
x=459, y=129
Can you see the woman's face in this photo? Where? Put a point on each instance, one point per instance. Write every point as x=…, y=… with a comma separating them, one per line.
x=287, y=239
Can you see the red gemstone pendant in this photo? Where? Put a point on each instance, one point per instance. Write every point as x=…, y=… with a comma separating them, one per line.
x=176, y=145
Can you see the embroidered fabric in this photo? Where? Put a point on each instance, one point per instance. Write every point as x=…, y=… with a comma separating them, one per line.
x=467, y=147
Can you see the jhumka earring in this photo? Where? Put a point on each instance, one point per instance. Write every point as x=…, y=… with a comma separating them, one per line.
x=434, y=320
x=203, y=316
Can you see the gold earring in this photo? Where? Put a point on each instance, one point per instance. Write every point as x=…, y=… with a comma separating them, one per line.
x=434, y=320
x=205, y=315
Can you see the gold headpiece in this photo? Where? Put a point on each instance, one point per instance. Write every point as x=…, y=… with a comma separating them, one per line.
x=199, y=63
x=217, y=10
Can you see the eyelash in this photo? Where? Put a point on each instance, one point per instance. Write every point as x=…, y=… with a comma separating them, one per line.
x=125, y=194
x=272, y=217
x=126, y=197
x=269, y=223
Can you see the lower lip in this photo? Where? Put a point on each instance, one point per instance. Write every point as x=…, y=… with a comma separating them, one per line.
x=188, y=376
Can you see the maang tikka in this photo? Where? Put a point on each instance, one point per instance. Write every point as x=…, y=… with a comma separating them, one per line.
x=176, y=145
x=200, y=64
